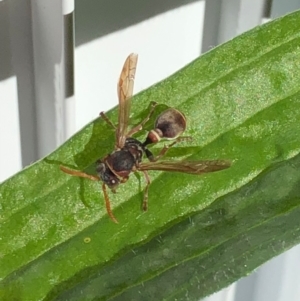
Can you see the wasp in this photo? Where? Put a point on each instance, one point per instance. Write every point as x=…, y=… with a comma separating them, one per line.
x=115, y=168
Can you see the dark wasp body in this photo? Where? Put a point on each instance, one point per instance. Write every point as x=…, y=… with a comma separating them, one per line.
x=127, y=157
x=120, y=163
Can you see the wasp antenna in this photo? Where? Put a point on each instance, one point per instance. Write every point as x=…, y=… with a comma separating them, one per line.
x=107, y=205
x=77, y=173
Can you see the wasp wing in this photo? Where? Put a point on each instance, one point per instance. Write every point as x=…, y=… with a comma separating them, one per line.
x=125, y=91
x=191, y=167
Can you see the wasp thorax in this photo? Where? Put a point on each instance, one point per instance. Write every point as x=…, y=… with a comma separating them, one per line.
x=119, y=161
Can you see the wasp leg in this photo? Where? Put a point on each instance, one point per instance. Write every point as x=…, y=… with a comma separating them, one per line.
x=145, y=198
x=166, y=148
x=162, y=152
x=140, y=126
x=106, y=119
x=107, y=204
x=78, y=173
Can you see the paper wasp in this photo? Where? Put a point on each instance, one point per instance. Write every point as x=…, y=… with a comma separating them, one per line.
x=116, y=167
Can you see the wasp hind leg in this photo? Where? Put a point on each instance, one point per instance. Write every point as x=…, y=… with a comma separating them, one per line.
x=163, y=151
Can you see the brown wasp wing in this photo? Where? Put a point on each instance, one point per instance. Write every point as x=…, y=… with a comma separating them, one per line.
x=191, y=167
x=125, y=91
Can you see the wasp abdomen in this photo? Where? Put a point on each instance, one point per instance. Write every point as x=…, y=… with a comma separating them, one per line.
x=170, y=124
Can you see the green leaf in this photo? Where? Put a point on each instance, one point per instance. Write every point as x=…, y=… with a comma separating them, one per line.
x=201, y=233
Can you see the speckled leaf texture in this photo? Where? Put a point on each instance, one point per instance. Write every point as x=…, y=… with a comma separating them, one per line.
x=201, y=233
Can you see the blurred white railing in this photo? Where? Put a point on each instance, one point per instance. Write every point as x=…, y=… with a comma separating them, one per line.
x=38, y=108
